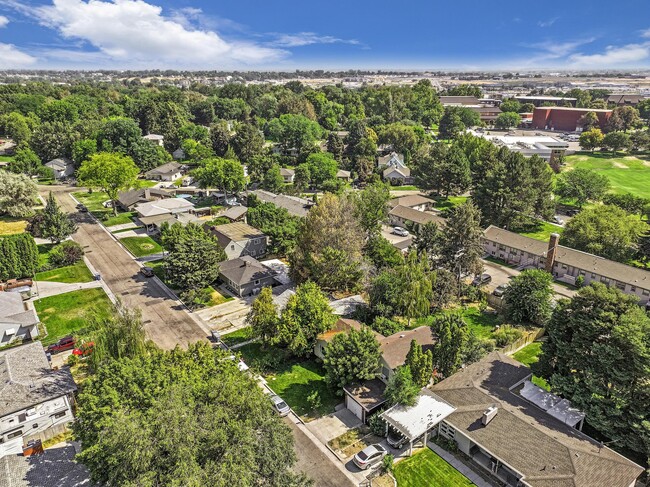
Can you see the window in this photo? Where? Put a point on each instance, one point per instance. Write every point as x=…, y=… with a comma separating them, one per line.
x=14, y=434
x=633, y=289
x=593, y=276
x=59, y=415
x=252, y=252
x=447, y=431
x=232, y=247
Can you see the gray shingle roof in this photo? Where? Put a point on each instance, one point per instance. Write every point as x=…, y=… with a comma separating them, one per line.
x=416, y=216
x=56, y=467
x=134, y=196
x=244, y=270
x=546, y=451
x=168, y=168
x=294, y=205
x=26, y=378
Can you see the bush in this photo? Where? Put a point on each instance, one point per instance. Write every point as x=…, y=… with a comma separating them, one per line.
x=506, y=335
x=220, y=220
x=387, y=463
x=580, y=281
x=66, y=253
x=73, y=359
x=196, y=299
x=377, y=425
x=314, y=400
x=385, y=326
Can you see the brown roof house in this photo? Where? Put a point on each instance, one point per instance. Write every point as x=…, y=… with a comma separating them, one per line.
x=239, y=239
x=413, y=201
x=128, y=199
x=245, y=276
x=522, y=436
x=403, y=216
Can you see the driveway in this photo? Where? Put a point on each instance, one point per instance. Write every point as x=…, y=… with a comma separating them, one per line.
x=387, y=233
x=502, y=274
x=166, y=321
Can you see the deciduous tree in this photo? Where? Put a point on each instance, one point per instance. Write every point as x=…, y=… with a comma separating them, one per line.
x=528, y=297
x=582, y=185
x=18, y=194
x=351, y=357
x=263, y=317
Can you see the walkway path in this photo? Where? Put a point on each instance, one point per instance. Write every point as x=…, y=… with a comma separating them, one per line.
x=122, y=226
x=460, y=466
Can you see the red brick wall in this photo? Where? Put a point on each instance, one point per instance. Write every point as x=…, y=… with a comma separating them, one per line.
x=563, y=120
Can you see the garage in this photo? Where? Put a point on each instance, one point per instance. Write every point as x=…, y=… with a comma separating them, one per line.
x=365, y=398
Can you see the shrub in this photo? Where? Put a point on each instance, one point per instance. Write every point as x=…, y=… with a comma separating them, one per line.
x=377, y=425
x=73, y=359
x=314, y=400
x=387, y=463
x=385, y=326
x=220, y=220
x=580, y=281
x=197, y=298
x=66, y=253
x=506, y=335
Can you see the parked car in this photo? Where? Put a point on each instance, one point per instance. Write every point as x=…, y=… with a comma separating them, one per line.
x=395, y=439
x=558, y=220
x=500, y=290
x=65, y=343
x=82, y=209
x=572, y=212
x=147, y=271
x=482, y=280
x=281, y=407
x=369, y=456
x=402, y=232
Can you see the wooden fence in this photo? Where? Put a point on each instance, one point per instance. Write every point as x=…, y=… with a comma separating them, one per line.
x=529, y=337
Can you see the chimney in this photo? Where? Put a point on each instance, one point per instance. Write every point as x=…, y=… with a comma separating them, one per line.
x=489, y=414
x=553, y=243
x=147, y=193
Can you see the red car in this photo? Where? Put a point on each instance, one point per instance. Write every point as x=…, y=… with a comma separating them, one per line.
x=84, y=350
x=65, y=343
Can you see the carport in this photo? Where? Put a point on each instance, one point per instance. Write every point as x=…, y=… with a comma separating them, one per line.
x=417, y=420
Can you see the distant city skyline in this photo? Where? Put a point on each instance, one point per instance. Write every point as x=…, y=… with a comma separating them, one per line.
x=335, y=35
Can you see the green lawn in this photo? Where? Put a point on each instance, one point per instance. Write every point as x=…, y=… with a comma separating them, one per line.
x=12, y=226
x=406, y=187
x=67, y=313
x=94, y=202
x=216, y=298
x=120, y=219
x=237, y=336
x=145, y=183
x=292, y=379
x=427, y=468
x=6, y=158
x=539, y=230
x=141, y=246
x=482, y=324
x=450, y=202
x=627, y=173
x=78, y=272
x=528, y=356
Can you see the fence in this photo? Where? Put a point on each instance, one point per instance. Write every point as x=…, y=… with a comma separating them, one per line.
x=529, y=337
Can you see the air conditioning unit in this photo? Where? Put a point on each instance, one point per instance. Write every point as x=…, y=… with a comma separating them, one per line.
x=489, y=414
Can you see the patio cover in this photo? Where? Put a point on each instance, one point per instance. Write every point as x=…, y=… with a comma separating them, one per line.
x=414, y=421
x=538, y=396
x=566, y=413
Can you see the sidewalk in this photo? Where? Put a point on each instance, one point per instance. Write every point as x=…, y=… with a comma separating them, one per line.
x=460, y=466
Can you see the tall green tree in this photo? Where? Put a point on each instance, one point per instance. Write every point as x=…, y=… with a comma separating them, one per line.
x=591, y=139
x=210, y=425
x=528, y=297
x=55, y=224
x=18, y=194
x=446, y=170
x=417, y=293
x=420, y=363
x=401, y=388
x=451, y=125
x=452, y=333
x=597, y=355
x=461, y=245
x=26, y=161
x=582, y=185
x=507, y=120
x=372, y=206
x=248, y=142
x=110, y=172
x=351, y=357
x=616, y=141
x=263, y=317
x=18, y=256
x=306, y=315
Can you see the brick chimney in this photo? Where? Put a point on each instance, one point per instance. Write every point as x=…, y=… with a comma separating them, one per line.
x=553, y=243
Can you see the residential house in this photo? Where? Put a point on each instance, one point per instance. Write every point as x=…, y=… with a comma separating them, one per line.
x=16, y=321
x=55, y=467
x=167, y=206
x=35, y=401
x=235, y=213
x=397, y=176
x=178, y=154
x=403, y=216
x=413, y=201
x=393, y=159
x=395, y=348
x=294, y=205
x=344, y=175
x=365, y=398
x=245, y=276
x=566, y=264
x=288, y=175
x=519, y=441
x=155, y=139
x=342, y=325
x=239, y=239
x=169, y=171
x=127, y=200
x=61, y=167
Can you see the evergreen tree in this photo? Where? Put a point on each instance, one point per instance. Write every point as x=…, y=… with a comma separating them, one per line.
x=420, y=363
x=263, y=317
x=55, y=224
x=351, y=357
x=461, y=244
x=401, y=389
x=452, y=333
x=528, y=297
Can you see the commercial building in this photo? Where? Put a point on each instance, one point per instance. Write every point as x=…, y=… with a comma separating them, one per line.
x=566, y=264
x=521, y=437
x=539, y=100
x=544, y=146
x=565, y=119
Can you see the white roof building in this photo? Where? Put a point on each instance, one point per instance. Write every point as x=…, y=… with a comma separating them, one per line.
x=544, y=146
x=165, y=206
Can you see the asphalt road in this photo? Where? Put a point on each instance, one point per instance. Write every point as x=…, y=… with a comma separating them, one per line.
x=502, y=275
x=316, y=464
x=166, y=321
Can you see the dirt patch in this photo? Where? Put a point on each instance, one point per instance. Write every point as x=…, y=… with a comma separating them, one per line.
x=383, y=481
x=619, y=165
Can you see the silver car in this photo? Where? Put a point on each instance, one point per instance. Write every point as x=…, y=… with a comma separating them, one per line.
x=369, y=456
x=402, y=232
x=281, y=407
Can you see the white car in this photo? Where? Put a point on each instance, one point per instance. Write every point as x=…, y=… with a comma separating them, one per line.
x=369, y=456
x=402, y=232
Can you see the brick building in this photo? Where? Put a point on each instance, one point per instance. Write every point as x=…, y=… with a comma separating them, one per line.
x=565, y=119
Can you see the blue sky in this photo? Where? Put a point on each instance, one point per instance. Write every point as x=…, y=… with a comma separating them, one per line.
x=337, y=34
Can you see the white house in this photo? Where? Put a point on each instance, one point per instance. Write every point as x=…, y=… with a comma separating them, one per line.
x=287, y=174
x=170, y=171
x=155, y=139
x=16, y=322
x=35, y=401
x=61, y=167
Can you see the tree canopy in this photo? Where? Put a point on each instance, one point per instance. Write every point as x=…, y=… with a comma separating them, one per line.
x=110, y=172
x=352, y=357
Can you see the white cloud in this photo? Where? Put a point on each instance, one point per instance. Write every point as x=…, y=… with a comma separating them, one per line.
x=553, y=50
x=134, y=32
x=613, y=56
x=547, y=23
x=645, y=33
x=13, y=58
x=3, y=21
x=308, y=38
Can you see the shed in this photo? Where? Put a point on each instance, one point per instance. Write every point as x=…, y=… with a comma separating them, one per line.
x=365, y=398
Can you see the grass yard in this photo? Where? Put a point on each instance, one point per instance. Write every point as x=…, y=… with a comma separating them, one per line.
x=141, y=246
x=6, y=158
x=94, y=202
x=450, y=202
x=293, y=380
x=406, y=187
x=427, y=468
x=627, y=173
x=482, y=324
x=120, y=219
x=237, y=336
x=12, y=226
x=528, y=356
x=539, y=230
x=67, y=313
x=78, y=272
x=216, y=298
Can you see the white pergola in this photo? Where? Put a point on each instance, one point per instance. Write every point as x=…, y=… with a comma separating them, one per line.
x=416, y=421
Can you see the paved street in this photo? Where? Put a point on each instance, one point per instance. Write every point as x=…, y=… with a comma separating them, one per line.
x=166, y=321
x=502, y=275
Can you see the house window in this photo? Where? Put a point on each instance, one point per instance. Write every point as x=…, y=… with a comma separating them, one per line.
x=633, y=289
x=447, y=431
x=646, y=292
x=252, y=252
x=14, y=434
x=621, y=286
x=593, y=276
x=232, y=247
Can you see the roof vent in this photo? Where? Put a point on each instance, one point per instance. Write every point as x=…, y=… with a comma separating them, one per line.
x=489, y=415
x=402, y=336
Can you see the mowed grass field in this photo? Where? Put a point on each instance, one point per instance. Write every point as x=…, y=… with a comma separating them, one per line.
x=427, y=468
x=627, y=173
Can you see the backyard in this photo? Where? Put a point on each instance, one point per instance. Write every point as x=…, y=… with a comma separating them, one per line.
x=67, y=313
x=481, y=323
x=427, y=468
x=627, y=173
x=528, y=356
x=292, y=379
x=539, y=230
x=141, y=246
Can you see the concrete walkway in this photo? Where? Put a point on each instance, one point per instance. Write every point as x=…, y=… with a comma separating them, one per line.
x=46, y=288
x=150, y=258
x=460, y=466
x=137, y=232
x=123, y=226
